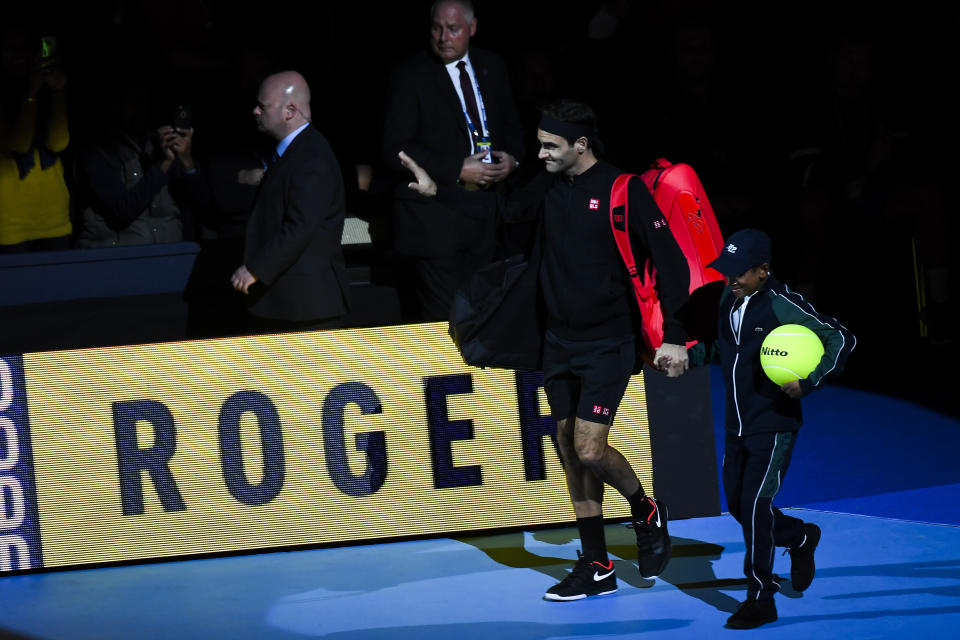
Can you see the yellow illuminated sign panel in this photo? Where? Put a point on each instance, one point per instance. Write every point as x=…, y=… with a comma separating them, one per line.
x=230, y=444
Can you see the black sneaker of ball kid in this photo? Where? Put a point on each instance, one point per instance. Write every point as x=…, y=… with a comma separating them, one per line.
x=752, y=613
x=802, y=567
x=653, y=540
x=588, y=578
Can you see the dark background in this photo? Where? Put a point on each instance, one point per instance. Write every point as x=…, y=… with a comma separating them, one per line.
x=828, y=124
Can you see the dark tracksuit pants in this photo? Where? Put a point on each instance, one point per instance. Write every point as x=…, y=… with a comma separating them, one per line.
x=753, y=470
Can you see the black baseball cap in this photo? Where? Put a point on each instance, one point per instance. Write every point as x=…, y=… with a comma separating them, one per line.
x=744, y=250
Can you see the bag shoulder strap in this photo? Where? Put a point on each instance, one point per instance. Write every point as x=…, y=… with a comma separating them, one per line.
x=619, y=205
x=619, y=225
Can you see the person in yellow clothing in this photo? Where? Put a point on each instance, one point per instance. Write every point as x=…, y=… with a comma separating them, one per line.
x=34, y=199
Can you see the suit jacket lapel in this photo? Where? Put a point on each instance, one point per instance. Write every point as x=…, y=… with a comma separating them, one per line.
x=448, y=94
x=481, y=71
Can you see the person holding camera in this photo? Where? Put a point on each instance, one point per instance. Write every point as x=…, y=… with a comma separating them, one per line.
x=139, y=185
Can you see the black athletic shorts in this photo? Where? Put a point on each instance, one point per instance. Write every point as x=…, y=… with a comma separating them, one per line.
x=588, y=378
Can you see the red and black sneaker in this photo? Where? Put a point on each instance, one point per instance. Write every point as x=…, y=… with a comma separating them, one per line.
x=653, y=541
x=587, y=579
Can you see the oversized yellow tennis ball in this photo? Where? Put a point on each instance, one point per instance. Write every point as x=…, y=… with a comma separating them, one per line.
x=790, y=352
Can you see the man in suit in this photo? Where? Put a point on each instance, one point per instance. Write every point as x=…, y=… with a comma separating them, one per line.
x=451, y=108
x=293, y=270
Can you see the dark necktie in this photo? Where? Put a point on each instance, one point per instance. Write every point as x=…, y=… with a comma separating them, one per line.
x=470, y=98
x=272, y=160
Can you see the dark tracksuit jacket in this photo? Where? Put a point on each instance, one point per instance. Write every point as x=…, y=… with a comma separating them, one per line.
x=754, y=403
x=762, y=421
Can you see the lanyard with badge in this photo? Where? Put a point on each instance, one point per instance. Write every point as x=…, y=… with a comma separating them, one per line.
x=480, y=139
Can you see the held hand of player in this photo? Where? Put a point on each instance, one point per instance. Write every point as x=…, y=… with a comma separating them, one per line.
x=792, y=389
x=424, y=185
x=671, y=358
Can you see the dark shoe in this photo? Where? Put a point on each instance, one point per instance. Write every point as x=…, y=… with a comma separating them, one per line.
x=802, y=567
x=586, y=579
x=653, y=541
x=752, y=613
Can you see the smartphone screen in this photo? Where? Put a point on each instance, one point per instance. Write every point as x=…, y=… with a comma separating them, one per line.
x=49, y=51
x=182, y=117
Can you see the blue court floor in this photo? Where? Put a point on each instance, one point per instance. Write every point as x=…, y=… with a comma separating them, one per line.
x=878, y=474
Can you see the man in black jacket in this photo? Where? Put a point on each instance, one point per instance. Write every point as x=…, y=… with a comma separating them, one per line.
x=589, y=342
x=452, y=108
x=293, y=270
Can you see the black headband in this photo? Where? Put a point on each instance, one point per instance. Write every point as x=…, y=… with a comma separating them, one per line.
x=568, y=130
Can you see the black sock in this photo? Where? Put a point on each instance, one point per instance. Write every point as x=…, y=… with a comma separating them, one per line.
x=640, y=507
x=593, y=538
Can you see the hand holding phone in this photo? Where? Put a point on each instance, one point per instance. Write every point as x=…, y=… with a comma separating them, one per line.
x=177, y=144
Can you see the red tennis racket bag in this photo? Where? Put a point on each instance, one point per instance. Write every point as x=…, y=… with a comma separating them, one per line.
x=678, y=192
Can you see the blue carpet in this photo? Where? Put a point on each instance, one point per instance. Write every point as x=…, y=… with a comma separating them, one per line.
x=876, y=578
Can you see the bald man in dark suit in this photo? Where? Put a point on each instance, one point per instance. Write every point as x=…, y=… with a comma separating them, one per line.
x=294, y=271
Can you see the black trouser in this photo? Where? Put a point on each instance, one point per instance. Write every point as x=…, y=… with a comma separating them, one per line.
x=753, y=471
